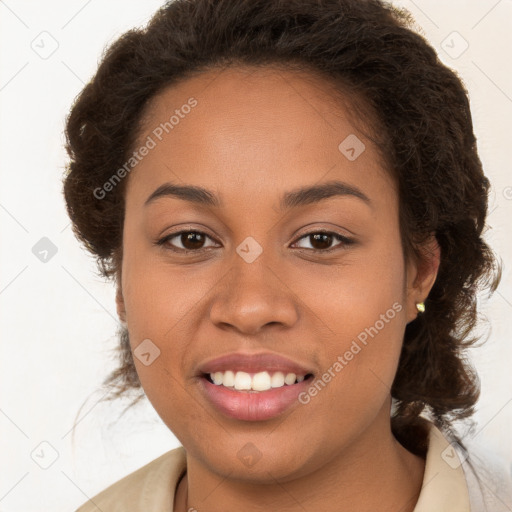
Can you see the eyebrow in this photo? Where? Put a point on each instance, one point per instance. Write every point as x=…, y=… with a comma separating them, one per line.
x=299, y=197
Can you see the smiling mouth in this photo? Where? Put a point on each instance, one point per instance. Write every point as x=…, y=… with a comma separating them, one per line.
x=254, y=382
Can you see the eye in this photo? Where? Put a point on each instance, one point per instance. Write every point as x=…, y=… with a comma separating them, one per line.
x=322, y=240
x=191, y=241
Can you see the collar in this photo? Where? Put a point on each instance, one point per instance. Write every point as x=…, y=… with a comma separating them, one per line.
x=444, y=487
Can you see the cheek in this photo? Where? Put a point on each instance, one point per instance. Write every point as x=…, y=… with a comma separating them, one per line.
x=362, y=313
x=158, y=306
x=158, y=296
x=364, y=294
x=156, y=303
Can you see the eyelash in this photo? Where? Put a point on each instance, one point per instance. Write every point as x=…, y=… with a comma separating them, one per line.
x=345, y=241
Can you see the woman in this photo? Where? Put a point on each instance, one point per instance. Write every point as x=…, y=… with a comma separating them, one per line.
x=289, y=198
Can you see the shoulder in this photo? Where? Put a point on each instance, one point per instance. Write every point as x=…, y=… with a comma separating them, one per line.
x=150, y=487
x=489, y=479
x=462, y=476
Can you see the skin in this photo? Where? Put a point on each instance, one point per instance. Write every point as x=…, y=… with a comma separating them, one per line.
x=255, y=134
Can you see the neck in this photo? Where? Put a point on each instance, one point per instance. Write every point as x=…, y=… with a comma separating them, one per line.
x=374, y=473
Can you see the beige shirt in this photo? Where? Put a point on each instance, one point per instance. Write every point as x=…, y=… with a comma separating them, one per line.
x=151, y=488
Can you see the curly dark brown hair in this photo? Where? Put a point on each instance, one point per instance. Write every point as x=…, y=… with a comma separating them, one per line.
x=421, y=120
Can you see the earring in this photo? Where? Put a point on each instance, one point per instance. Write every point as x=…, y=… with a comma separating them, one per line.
x=420, y=306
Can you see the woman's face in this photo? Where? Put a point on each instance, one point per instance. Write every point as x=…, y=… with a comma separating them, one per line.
x=252, y=286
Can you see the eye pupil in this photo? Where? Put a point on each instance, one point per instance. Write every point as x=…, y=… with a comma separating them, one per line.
x=324, y=238
x=197, y=239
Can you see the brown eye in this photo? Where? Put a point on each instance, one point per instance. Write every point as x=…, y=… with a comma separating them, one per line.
x=321, y=241
x=190, y=241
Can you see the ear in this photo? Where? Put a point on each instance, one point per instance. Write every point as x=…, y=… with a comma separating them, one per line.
x=121, y=311
x=422, y=274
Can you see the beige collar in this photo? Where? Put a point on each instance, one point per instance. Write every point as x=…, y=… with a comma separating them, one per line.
x=444, y=487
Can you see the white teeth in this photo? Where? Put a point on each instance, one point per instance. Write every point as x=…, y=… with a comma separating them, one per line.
x=228, y=379
x=242, y=380
x=217, y=377
x=261, y=381
x=290, y=378
x=277, y=380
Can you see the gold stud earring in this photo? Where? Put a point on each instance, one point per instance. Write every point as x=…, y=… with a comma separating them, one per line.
x=420, y=306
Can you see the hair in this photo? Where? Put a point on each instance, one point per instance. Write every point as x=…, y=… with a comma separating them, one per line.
x=421, y=122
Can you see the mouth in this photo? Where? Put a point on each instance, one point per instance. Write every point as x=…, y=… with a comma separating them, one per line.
x=253, y=386
x=249, y=404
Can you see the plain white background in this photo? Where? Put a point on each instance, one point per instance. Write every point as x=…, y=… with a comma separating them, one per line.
x=58, y=319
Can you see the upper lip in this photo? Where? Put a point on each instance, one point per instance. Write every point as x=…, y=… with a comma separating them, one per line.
x=253, y=363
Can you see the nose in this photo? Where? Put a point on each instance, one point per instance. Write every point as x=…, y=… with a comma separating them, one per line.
x=252, y=296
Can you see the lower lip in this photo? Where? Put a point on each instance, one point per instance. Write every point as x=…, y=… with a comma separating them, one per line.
x=253, y=406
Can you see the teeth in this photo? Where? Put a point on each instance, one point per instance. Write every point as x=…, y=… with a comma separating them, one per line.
x=228, y=379
x=277, y=380
x=262, y=381
x=290, y=378
x=217, y=377
x=242, y=380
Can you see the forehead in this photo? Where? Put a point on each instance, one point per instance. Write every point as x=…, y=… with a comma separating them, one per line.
x=275, y=94
x=257, y=129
